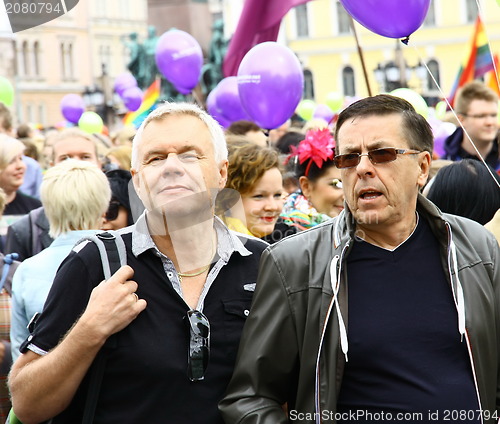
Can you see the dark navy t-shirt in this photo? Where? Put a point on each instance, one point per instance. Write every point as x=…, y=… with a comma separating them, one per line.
x=405, y=350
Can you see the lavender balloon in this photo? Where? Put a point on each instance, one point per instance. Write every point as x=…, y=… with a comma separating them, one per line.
x=124, y=81
x=132, y=98
x=389, y=18
x=270, y=83
x=72, y=107
x=179, y=58
x=324, y=112
x=214, y=111
x=228, y=100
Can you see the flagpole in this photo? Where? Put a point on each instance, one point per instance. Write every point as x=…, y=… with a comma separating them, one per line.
x=361, y=57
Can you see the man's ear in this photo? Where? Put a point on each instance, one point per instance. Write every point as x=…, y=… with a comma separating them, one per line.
x=136, y=181
x=305, y=186
x=424, y=162
x=223, y=174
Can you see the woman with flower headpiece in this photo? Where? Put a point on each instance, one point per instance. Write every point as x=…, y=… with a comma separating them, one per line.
x=254, y=175
x=320, y=196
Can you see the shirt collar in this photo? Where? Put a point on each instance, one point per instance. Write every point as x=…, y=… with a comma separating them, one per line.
x=227, y=241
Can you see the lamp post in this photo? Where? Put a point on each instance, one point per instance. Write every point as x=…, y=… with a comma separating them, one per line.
x=396, y=74
x=100, y=99
x=93, y=97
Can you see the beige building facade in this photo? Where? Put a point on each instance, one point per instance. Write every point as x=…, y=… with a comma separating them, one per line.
x=320, y=33
x=81, y=50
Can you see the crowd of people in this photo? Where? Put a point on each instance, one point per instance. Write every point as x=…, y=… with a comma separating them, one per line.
x=270, y=277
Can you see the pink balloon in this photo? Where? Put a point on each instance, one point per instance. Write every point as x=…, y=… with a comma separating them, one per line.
x=72, y=107
x=389, y=18
x=124, y=81
x=132, y=98
x=179, y=58
x=270, y=83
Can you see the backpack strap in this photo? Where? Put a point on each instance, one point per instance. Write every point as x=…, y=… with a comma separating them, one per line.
x=113, y=256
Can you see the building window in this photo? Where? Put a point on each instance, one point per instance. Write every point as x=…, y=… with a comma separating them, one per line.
x=308, y=85
x=343, y=19
x=302, y=20
x=471, y=11
x=67, y=60
x=29, y=113
x=430, y=18
x=69, y=55
x=36, y=58
x=63, y=60
x=348, y=81
x=41, y=114
x=26, y=59
x=434, y=71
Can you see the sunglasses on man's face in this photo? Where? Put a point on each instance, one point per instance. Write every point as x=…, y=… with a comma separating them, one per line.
x=113, y=209
x=199, y=345
x=383, y=155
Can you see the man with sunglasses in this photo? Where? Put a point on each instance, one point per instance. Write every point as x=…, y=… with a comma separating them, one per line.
x=388, y=312
x=477, y=111
x=168, y=324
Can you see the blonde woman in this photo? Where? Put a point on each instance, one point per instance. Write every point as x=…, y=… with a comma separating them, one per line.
x=12, y=170
x=75, y=195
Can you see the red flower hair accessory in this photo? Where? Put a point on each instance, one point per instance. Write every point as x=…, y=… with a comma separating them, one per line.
x=317, y=147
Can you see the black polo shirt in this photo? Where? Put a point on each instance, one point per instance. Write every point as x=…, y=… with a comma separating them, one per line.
x=145, y=379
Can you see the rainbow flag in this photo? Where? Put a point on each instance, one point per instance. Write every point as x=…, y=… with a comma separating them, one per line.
x=478, y=61
x=151, y=95
x=491, y=79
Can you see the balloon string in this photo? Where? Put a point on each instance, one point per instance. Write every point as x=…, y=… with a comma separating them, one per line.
x=443, y=95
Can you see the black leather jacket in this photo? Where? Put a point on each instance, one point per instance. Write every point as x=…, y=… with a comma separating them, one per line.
x=291, y=348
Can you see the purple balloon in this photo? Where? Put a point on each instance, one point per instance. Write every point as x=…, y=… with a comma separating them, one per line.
x=214, y=111
x=270, y=83
x=228, y=100
x=72, y=107
x=132, y=98
x=124, y=81
x=179, y=58
x=324, y=112
x=389, y=18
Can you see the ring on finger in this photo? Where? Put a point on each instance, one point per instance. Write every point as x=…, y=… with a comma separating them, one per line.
x=136, y=297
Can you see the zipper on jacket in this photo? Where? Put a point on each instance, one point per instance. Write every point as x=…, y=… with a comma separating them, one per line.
x=455, y=298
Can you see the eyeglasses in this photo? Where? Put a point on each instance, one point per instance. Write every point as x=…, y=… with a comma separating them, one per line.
x=386, y=154
x=113, y=209
x=335, y=183
x=199, y=345
x=482, y=115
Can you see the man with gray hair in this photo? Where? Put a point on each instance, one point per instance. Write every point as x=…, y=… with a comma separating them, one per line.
x=175, y=311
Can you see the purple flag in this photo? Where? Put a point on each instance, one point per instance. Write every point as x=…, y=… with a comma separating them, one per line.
x=259, y=22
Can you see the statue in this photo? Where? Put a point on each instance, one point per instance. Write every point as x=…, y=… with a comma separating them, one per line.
x=142, y=64
x=150, y=69
x=135, y=64
x=211, y=73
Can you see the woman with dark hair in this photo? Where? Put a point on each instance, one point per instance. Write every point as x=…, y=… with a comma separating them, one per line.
x=320, y=196
x=119, y=213
x=467, y=188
